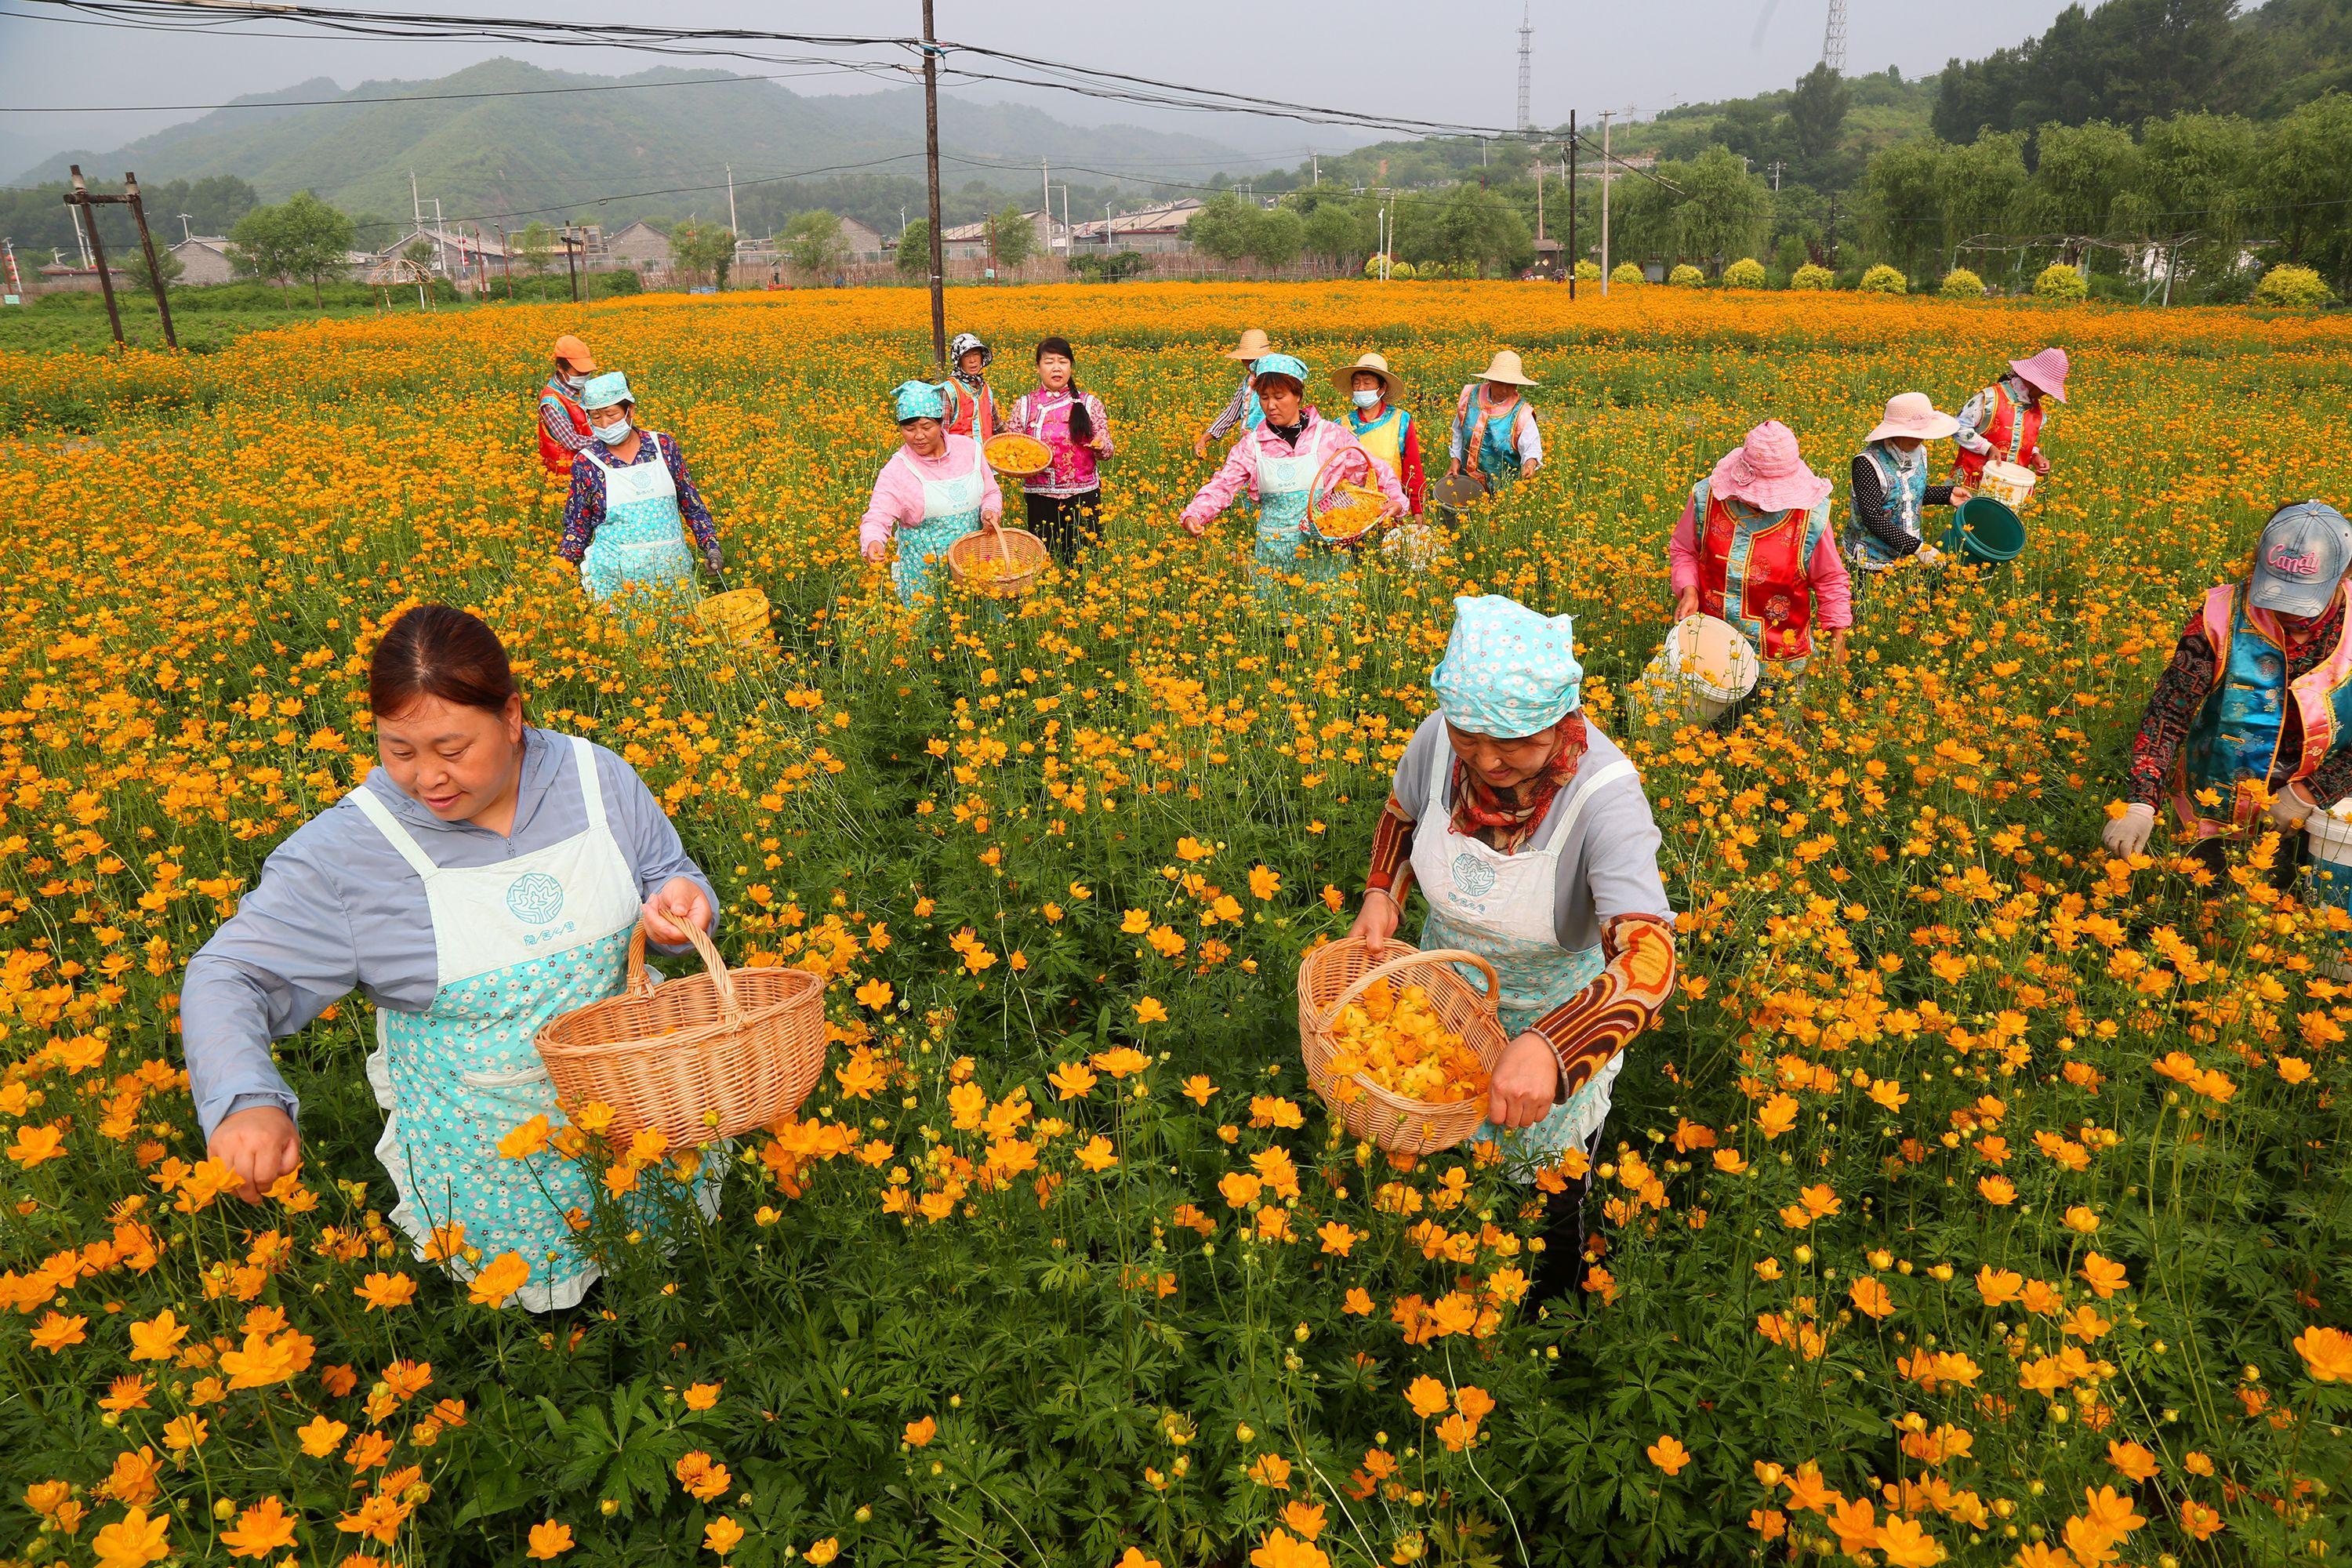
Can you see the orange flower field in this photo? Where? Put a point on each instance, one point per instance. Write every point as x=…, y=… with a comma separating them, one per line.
x=1982, y=1199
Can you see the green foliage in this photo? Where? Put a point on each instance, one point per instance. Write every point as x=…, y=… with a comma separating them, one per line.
x=1276, y=237
x=703, y=251
x=1012, y=236
x=1588, y=271
x=1960, y=283
x=2061, y=283
x=813, y=242
x=1745, y=273
x=1686, y=276
x=37, y=220
x=2126, y=60
x=1625, y=272
x=2292, y=288
x=533, y=244
x=1716, y=207
x=1884, y=280
x=170, y=266
x=301, y=237
x=915, y=250
x=1402, y=269
x=1817, y=111
x=1812, y=276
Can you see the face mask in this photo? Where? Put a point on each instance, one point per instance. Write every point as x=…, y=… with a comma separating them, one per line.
x=616, y=431
x=576, y=383
x=1365, y=397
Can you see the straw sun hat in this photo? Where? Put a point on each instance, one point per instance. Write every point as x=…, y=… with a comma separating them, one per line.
x=1507, y=368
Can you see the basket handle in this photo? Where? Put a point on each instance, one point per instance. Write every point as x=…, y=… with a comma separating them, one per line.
x=637, y=984
x=1411, y=959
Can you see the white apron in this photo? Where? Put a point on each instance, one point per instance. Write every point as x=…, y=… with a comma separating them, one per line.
x=515, y=944
x=641, y=542
x=1500, y=906
x=951, y=510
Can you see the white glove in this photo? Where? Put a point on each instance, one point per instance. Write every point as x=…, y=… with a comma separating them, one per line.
x=2290, y=807
x=1929, y=554
x=2128, y=834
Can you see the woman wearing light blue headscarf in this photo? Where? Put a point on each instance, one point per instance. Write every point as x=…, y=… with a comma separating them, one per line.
x=935, y=488
x=1531, y=841
x=632, y=503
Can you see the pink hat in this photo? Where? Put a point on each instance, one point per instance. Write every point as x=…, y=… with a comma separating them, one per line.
x=1767, y=472
x=2045, y=372
x=1912, y=414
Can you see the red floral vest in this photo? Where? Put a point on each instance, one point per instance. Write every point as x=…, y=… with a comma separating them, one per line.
x=2013, y=433
x=1753, y=572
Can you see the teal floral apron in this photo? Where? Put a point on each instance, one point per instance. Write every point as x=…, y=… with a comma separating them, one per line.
x=1500, y=906
x=641, y=542
x=1284, y=545
x=951, y=510
x=518, y=943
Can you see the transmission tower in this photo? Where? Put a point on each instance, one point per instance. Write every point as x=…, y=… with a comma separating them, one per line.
x=1527, y=66
x=1832, y=39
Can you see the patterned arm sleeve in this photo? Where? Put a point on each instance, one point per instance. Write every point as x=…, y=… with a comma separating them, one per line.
x=1972, y=415
x=1391, y=869
x=2332, y=781
x=582, y=510
x=1101, y=418
x=690, y=499
x=558, y=425
x=1231, y=415
x=2171, y=707
x=1591, y=1028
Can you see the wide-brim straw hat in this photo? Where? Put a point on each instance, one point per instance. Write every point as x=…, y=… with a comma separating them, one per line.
x=1254, y=344
x=1769, y=473
x=1914, y=414
x=1506, y=367
x=2045, y=372
x=1344, y=378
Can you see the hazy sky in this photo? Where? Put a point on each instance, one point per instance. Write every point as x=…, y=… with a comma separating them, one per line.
x=1455, y=61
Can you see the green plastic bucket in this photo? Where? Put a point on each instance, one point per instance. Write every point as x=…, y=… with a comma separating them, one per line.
x=1985, y=531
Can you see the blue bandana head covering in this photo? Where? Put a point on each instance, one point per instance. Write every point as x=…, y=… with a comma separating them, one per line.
x=1507, y=671
x=609, y=390
x=918, y=400
x=1278, y=364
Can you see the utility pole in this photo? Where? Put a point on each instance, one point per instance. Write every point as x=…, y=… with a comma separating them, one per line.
x=1046, y=187
x=1778, y=164
x=1540, y=212
x=1315, y=161
x=505, y=259
x=1608, y=171
x=415, y=204
x=1831, y=256
x=80, y=199
x=1572, y=253
x=185, y=234
x=572, y=263
x=731, y=227
x=147, y=243
x=440, y=243
x=931, y=164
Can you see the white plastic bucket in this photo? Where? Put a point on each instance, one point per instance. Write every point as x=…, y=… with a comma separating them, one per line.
x=2007, y=483
x=2330, y=841
x=1705, y=666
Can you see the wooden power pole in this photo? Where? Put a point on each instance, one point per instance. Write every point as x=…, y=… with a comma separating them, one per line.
x=84, y=203
x=931, y=166
x=1572, y=254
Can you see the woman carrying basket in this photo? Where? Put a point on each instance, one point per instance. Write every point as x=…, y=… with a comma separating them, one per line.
x=2002, y=422
x=1890, y=487
x=1528, y=835
x=484, y=877
x=1277, y=462
x=1064, y=500
x=935, y=488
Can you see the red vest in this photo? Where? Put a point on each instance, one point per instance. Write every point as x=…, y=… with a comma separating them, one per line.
x=1753, y=572
x=551, y=456
x=2013, y=433
x=975, y=412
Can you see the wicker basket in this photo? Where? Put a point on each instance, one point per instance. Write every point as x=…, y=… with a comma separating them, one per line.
x=999, y=563
x=739, y=614
x=1336, y=974
x=702, y=1057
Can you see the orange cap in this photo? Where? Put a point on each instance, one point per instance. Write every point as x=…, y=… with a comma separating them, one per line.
x=568, y=347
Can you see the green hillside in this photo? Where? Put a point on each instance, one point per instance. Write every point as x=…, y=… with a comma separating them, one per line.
x=606, y=156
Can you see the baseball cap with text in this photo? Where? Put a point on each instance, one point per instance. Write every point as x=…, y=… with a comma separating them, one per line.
x=2304, y=552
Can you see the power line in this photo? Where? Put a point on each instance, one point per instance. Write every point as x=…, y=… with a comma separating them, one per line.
x=417, y=97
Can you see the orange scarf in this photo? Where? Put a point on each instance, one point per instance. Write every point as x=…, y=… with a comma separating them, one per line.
x=1504, y=820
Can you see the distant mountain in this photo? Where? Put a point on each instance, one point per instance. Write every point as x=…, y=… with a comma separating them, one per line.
x=530, y=148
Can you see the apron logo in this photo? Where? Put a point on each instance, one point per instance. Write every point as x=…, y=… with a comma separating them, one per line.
x=1471, y=875
x=535, y=896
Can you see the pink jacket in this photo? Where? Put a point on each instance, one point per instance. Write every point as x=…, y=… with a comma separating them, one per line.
x=899, y=489
x=1238, y=473
x=1833, y=590
x=1045, y=415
